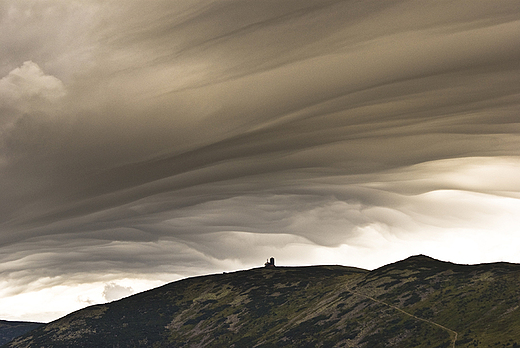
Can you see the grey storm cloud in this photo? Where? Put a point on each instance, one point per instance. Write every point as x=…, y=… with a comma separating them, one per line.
x=172, y=137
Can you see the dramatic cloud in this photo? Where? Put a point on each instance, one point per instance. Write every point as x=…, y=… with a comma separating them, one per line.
x=157, y=140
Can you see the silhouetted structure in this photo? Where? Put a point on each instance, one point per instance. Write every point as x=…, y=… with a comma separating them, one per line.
x=270, y=263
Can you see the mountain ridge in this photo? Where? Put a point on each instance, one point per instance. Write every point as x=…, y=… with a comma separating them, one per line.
x=415, y=302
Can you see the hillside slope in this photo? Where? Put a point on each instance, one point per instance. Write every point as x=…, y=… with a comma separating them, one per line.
x=417, y=302
x=12, y=329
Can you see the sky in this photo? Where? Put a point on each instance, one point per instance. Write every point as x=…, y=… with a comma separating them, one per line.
x=143, y=142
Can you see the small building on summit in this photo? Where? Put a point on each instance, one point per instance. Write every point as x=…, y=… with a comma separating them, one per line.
x=270, y=263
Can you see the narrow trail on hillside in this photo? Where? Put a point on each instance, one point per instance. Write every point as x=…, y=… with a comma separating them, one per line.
x=452, y=333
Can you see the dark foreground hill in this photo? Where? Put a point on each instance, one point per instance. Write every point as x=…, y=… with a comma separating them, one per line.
x=417, y=302
x=12, y=329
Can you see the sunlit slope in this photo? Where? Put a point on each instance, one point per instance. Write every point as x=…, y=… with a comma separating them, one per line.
x=418, y=302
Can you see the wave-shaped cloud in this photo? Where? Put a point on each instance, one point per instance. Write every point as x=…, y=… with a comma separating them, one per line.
x=196, y=136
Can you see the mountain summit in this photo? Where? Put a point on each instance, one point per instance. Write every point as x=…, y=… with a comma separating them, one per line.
x=417, y=302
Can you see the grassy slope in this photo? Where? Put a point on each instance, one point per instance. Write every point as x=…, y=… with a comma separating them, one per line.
x=479, y=302
x=323, y=306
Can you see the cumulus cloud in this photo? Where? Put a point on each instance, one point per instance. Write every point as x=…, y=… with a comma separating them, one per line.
x=172, y=139
x=114, y=291
x=28, y=89
x=28, y=82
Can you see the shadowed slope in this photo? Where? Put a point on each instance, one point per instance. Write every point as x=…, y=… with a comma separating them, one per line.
x=11, y=329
